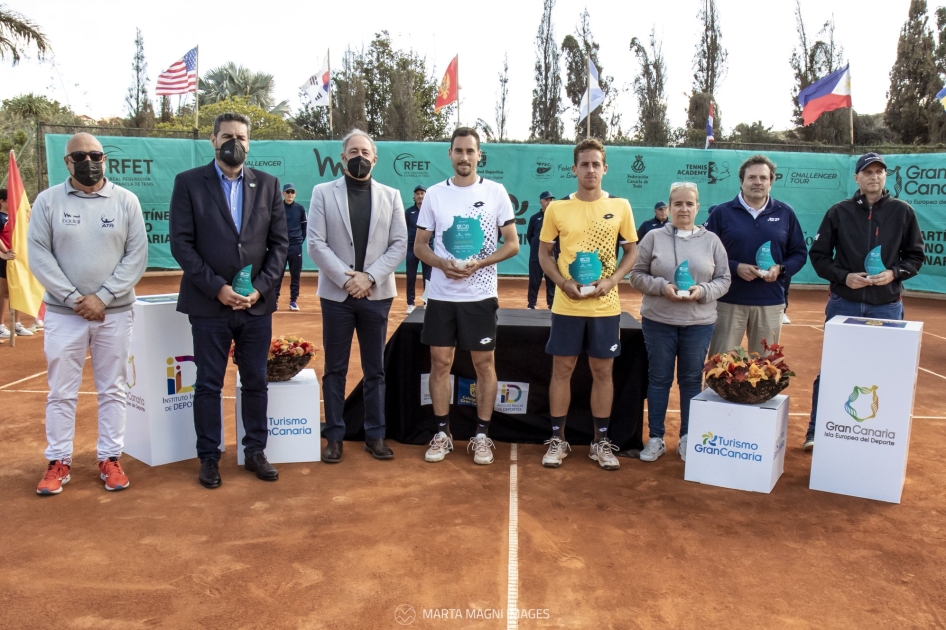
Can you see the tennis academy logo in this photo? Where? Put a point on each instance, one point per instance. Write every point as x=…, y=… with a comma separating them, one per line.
x=861, y=405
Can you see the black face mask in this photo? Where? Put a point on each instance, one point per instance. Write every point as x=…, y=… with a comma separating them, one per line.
x=232, y=153
x=359, y=167
x=88, y=173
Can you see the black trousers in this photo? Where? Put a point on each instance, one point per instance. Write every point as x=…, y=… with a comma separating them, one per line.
x=340, y=321
x=251, y=335
x=411, y=270
x=294, y=261
x=535, y=279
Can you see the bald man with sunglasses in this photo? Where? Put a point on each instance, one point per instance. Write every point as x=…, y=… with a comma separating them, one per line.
x=88, y=248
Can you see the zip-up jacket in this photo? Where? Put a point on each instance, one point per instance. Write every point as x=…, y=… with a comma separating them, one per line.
x=851, y=228
x=742, y=236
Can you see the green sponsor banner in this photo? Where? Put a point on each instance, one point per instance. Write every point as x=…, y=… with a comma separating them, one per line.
x=809, y=182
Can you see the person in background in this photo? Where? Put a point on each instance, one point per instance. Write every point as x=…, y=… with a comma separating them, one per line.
x=410, y=264
x=296, y=223
x=660, y=219
x=535, y=269
x=677, y=330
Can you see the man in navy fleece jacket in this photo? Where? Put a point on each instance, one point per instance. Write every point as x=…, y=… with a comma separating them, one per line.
x=756, y=298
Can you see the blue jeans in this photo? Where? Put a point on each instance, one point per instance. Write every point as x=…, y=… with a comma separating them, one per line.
x=251, y=335
x=837, y=305
x=683, y=347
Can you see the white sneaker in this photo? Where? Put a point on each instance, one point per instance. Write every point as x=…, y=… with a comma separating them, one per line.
x=37, y=325
x=603, y=453
x=410, y=309
x=4, y=332
x=439, y=447
x=482, y=449
x=682, y=448
x=23, y=331
x=785, y=319
x=654, y=449
x=558, y=450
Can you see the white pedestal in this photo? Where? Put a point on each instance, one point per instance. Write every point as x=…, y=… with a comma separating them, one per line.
x=159, y=426
x=865, y=402
x=294, y=416
x=736, y=446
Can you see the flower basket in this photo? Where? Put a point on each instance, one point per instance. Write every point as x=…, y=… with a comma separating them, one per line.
x=748, y=378
x=287, y=357
x=744, y=392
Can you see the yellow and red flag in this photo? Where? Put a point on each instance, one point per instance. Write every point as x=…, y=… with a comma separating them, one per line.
x=26, y=293
x=448, y=87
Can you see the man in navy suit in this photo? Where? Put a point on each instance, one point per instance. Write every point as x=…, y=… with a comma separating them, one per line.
x=225, y=217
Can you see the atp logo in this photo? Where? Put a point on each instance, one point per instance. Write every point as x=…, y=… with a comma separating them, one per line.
x=709, y=439
x=175, y=378
x=108, y=223
x=855, y=394
x=510, y=393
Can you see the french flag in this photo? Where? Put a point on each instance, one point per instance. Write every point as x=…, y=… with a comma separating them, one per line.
x=825, y=95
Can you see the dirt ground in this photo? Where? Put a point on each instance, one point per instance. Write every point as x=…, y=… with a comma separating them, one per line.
x=371, y=544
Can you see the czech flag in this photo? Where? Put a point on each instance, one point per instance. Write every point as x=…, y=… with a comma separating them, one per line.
x=825, y=95
x=941, y=96
x=26, y=293
x=448, y=87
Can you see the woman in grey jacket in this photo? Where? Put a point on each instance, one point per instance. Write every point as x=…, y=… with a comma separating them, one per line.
x=677, y=326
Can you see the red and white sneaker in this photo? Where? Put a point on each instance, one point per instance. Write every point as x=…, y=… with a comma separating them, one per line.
x=57, y=475
x=112, y=474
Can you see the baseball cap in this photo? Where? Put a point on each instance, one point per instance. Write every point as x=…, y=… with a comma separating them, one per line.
x=868, y=158
x=288, y=187
x=546, y=195
x=419, y=187
x=660, y=204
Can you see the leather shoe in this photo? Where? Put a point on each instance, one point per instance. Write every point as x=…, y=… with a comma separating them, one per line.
x=209, y=473
x=333, y=452
x=378, y=449
x=264, y=470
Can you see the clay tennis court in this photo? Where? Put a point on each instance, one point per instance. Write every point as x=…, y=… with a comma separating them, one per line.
x=373, y=544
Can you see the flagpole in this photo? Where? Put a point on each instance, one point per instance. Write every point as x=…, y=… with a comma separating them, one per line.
x=852, y=128
x=588, y=91
x=331, y=128
x=196, y=91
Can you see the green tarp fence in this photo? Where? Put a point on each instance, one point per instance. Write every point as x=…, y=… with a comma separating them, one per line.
x=810, y=182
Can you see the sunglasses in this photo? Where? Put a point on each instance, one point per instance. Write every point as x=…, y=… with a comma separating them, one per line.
x=79, y=156
x=676, y=185
x=289, y=192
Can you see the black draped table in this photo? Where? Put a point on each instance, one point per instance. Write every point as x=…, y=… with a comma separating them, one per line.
x=520, y=358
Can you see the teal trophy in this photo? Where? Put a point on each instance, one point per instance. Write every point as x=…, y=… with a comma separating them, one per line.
x=242, y=282
x=763, y=258
x=585, y=269
x=873, y=264
x=683, y=279
x=464, y=239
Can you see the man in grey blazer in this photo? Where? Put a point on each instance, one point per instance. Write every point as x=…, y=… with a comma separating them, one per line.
x=357, y=236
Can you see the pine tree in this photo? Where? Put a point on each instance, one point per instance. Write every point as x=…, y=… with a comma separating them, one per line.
x=547, y=94
x=140, y=108
x=913, y=112
x=652, y=127
x=710, y=63
x=576, y=51
x=502, y=115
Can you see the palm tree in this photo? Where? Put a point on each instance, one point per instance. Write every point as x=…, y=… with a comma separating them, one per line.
x=230, y=80
x=16, y=32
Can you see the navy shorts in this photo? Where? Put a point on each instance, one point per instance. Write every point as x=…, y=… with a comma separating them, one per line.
x=465, y=325
x=598, y=337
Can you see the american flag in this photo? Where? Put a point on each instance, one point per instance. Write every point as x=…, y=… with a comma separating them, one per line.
x=181, y=77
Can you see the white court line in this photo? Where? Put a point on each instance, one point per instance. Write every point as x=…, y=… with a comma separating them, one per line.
x=22, y=379
x=932, y=335
x=46, y=391
x=512, y=577
x=821, y=328
x=933, y=373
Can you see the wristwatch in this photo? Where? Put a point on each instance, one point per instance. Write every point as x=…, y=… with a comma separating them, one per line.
x=370, y=277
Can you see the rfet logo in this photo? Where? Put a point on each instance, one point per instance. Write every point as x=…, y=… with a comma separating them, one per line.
x=175, y=378
x=510, y=393
x=858, y=411
x=406, y=165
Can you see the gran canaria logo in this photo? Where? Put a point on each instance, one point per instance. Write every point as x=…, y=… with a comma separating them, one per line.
x=874, y=404
x=709, y=438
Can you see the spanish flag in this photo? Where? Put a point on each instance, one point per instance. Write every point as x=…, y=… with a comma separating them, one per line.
x=26, y=293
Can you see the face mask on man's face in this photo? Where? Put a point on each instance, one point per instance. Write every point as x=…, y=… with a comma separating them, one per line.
x=232, y=153
x=88, y=173
x=359, y=167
